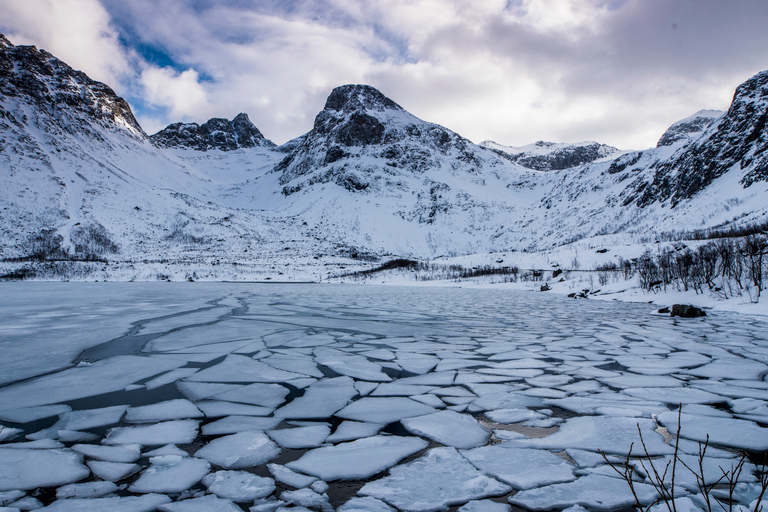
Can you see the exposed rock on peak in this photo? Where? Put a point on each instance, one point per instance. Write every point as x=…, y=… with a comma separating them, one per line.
x=552, y=156
x=688, y=128
x=216, y=133
x=60, y=92
x=359, y=97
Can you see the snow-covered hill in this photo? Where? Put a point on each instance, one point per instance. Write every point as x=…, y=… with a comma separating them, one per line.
x=370, y=180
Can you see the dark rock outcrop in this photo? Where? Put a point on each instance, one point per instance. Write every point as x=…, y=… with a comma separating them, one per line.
x=687, y=311
x=216, y=133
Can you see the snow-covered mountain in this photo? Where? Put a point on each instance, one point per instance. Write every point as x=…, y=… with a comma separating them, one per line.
x=553, y=156
x=82, y=180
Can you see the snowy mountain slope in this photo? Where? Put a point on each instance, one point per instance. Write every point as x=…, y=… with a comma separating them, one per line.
x=369, y=180
x=553, y=156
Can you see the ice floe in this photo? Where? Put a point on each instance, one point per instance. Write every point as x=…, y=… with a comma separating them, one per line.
x=124, y=453
x=238, y=486
x=442, y=477
x=383, y=410
x=302, y=437
x=349, y=430
x=169, y=410
x=289, y=477
x=234, y=424
x=357, y=459
x=521, y=468
x=146, y=503
x=448, y=428
x=170, y=473
x=320, y=400
x=25, y=469
x=85, y=490
x=730, y=432
x=175, y=432
x=112, y=471
x=241, y=450
x=208, y=503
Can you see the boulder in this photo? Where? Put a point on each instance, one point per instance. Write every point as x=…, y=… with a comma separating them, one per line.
x=687, y=311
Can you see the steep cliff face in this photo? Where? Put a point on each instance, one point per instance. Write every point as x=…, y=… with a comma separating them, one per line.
x=736, y=142
x=216, y=133
x=689, y=128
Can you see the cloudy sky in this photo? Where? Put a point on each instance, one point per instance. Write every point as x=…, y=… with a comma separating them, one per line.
x=514, y=71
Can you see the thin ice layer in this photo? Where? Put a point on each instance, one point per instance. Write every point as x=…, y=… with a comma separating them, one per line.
x=241, y=450
x=448, y=428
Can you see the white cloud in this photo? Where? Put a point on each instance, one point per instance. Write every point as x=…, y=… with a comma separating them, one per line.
x=180, y=93
x=76, y=31
x=617, y=71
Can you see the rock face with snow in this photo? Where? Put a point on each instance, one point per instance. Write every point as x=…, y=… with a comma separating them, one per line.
x=363, y=140
x=689, y=128
x=216, y=133
x=552, y=156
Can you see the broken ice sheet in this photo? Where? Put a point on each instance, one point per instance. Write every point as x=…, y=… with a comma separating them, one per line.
x=170, y=474
x=208, y=503
x=289, y=477
x=349, y=430
x=27, y=414
x=169, y=410
x=218, y=409
x=383, y=410
x=85, y=490
x=234, y=424
x=448, y=428
x=112, y=471
x=29, y=468
x=302, y=437
x=733, y=433
x=125, y=453
x=442, y=477
x=520, y=468
x=169, y=432
x=241, y=450
x=357, y=459
x=239, y=486
x=237, y=368
x=265, y=395
x=320, y=400
x=112, y=504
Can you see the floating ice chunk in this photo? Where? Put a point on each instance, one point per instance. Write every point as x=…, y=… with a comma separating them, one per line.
x=587, y=459
x=217, y=409
x=549, y=381
x=168, y=378
x=520, y=468
x=729, y=432
x=448, y=428
x=397, y=389
x=107, y=375
x=86, y=490
x=170, y=473
x=484, y=506
x=7, y=497
x=320, y=486
x=301, y=383
x=365, y=388
x=241, y=450
x=208, y=503
x=169, y=449
x=265, y=395
x=729, y=368
x=357, y=459
x=513, y=415
x=366, y=504
x=8, y=433
x=302, y=437
x=267, y=505
x=169, y=410
x=29, y=469
x=234, y=424
x=294, y=363
x=628, y=380
x=675, y=395
x=380, y=353
x=321, y=400
x=239, y=486
x=197, y=391
x=349, y=430
x=596, y=492
x=543, y=422
x=510, y=400
x=711, y=468
x=306, y=498
x=431, y=379
x=729, y=389
x=590, y=404
x=83, y=420
x=609, y=434
x=508, y=435
x=416, y=363
x=112, y=471
x=684, y=504
x=73, y=436
x=175, y=432
x=352, y=365
x=27, y=414
x=456, y=391
x=433, y=482
x=42, y=444
x=430, y=400
x=125, y=453
x=383, y=410
x=288, y=477
x=237, y=368
x=619, y=411
x=146, y=503
x=544, y=392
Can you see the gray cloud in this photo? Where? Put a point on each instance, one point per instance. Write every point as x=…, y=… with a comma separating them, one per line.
x=518, y=71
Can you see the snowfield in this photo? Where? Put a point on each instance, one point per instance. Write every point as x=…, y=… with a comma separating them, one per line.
x=224, y=396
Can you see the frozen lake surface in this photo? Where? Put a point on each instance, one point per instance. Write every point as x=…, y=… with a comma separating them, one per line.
x=192, y=396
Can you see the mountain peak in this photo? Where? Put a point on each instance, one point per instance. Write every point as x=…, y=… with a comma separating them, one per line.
x=4, y=42
x=354, y=97
x=216, y=133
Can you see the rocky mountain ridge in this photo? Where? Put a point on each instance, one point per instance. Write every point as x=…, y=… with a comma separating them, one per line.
x=216, y=133
x=553, y=156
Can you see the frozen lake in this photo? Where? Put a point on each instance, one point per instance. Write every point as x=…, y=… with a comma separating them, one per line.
x=194, y=396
